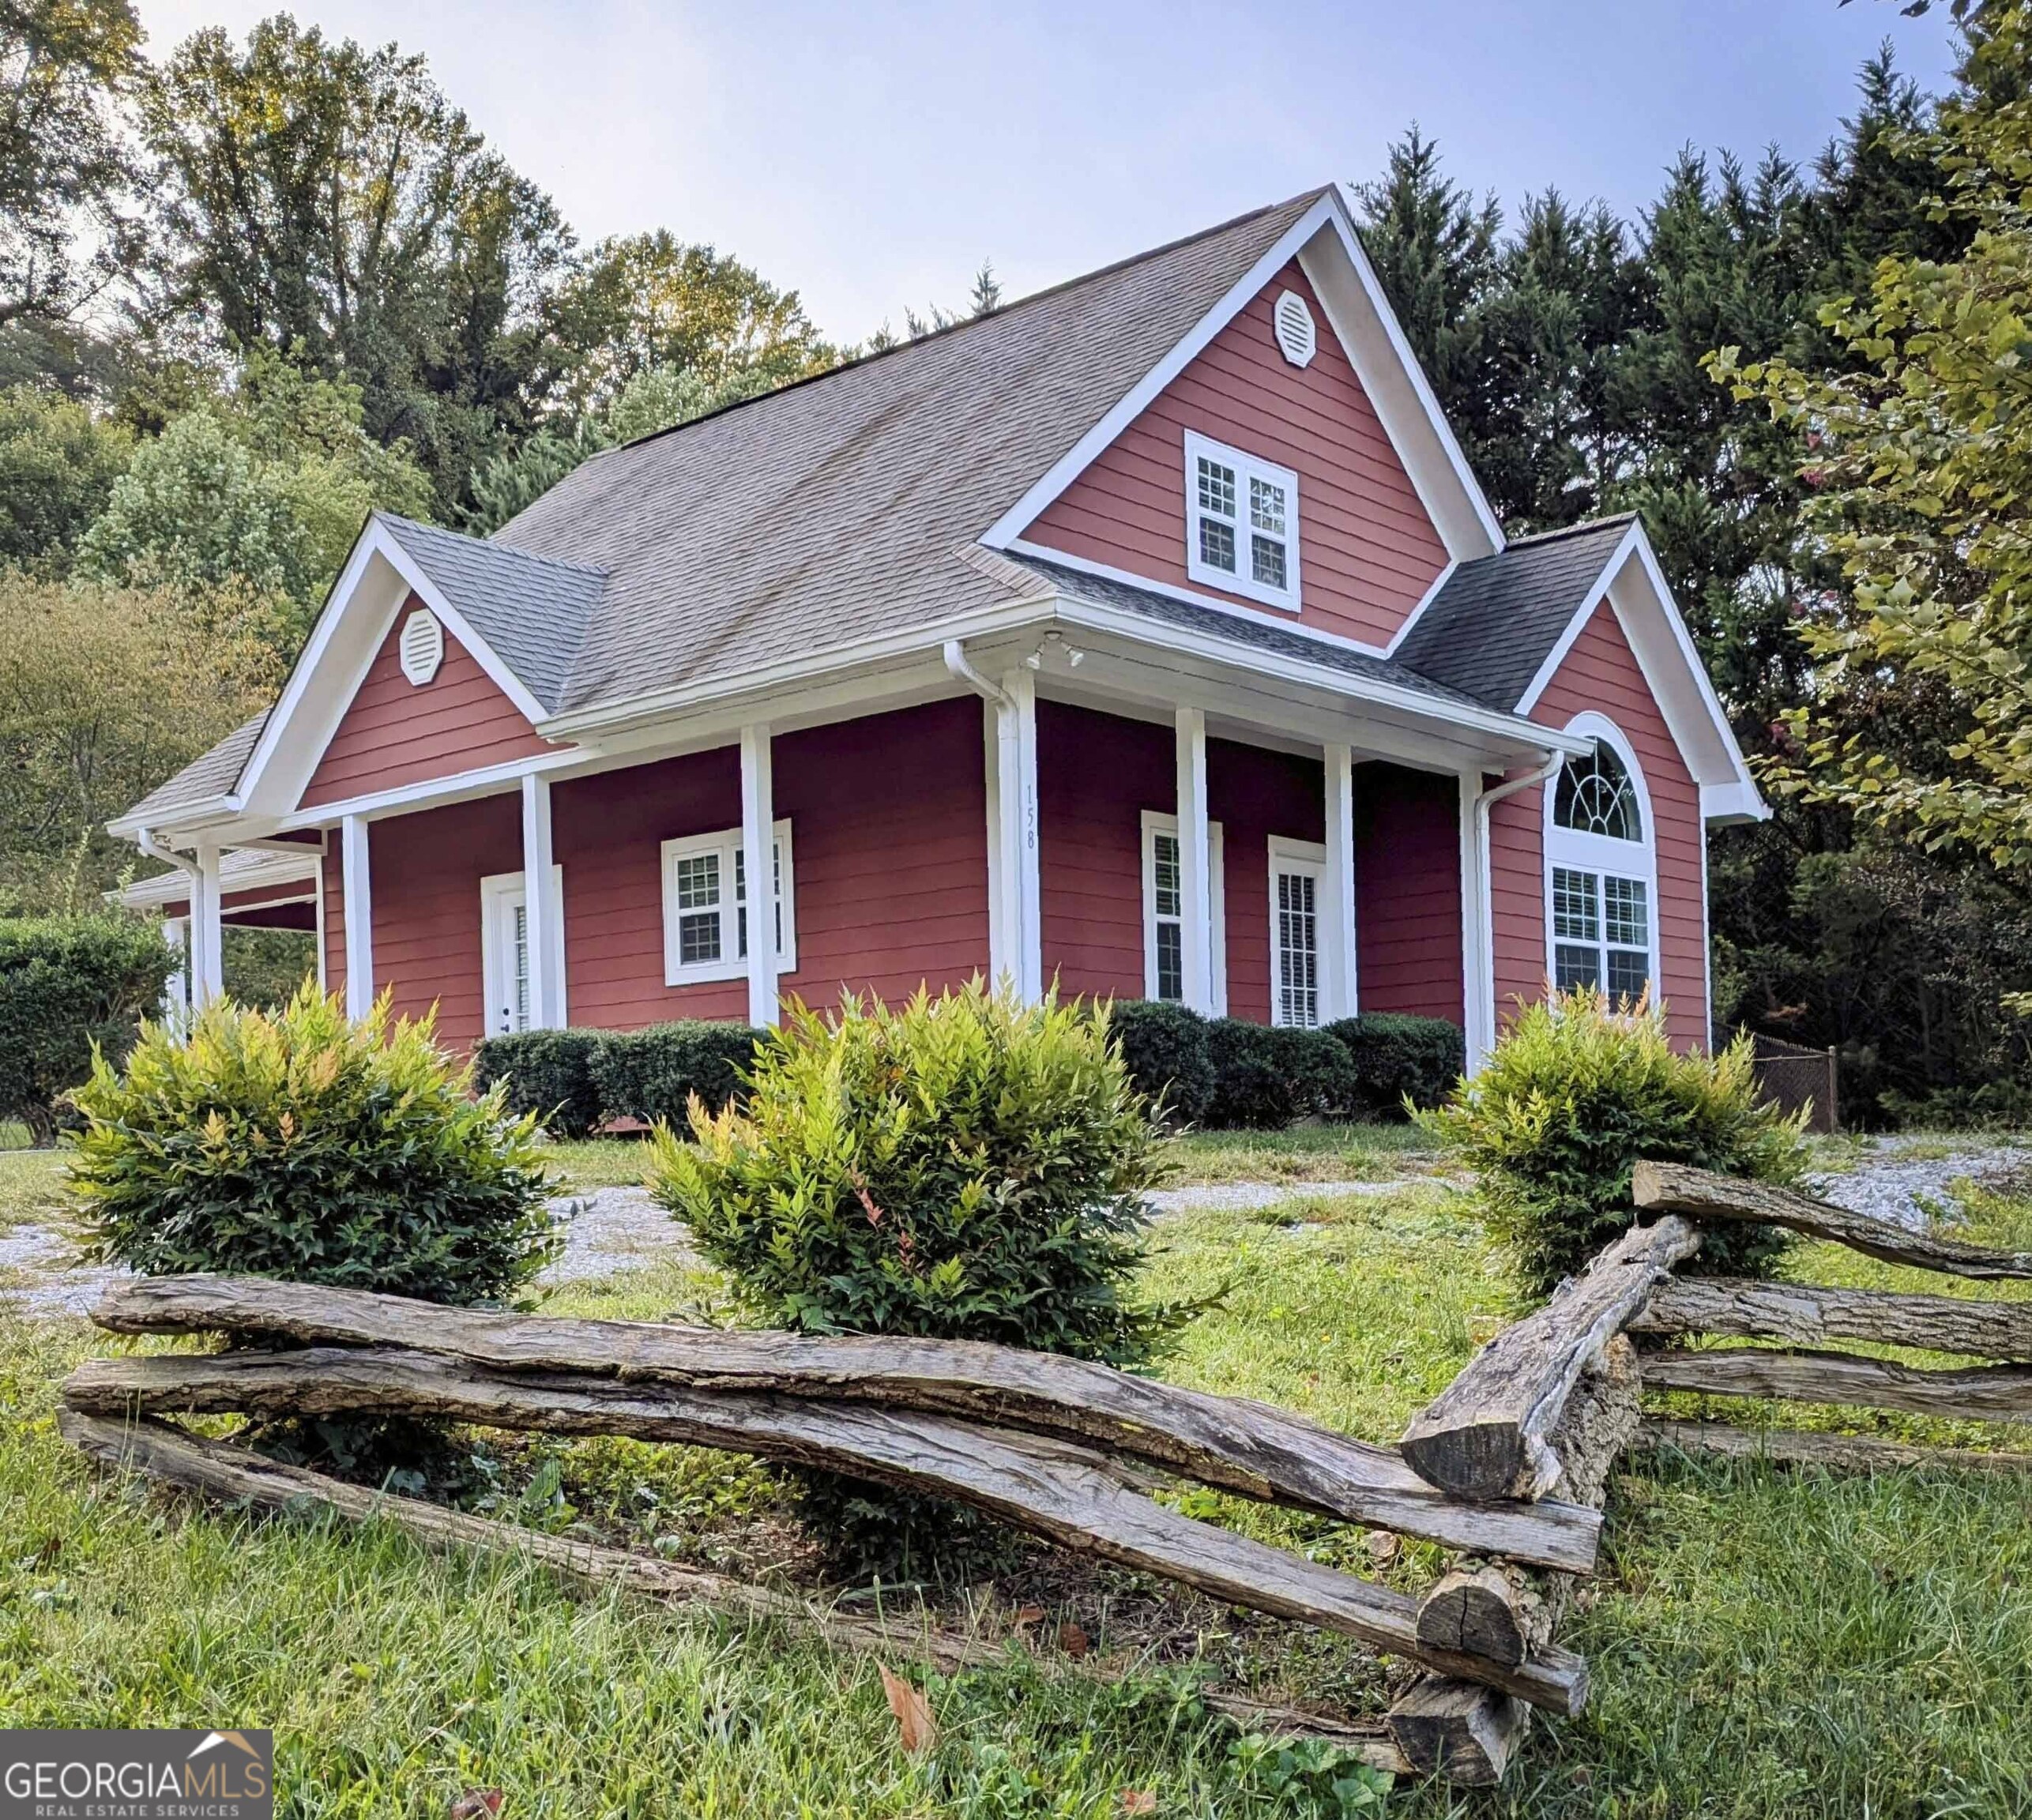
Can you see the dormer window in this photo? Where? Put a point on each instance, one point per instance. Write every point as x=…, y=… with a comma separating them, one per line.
x=1241, y=523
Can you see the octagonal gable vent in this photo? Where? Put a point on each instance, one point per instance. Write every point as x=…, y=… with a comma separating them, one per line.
x=423, y=646
x=1296, y=334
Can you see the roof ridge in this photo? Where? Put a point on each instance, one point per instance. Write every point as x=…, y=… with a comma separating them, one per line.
x=1585, y=524
x=1308, y=197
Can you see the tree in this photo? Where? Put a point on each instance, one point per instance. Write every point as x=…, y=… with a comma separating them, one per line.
x=1919, y=722
x=58, y=461
x=264, y=488
x=328, y=203
x=64, y=65
x=103, y=693
x=987, y=298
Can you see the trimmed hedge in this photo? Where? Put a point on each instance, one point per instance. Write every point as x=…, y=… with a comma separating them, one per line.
x=66, y=985
x=651, y=1074
x=548, y=1073
x=1397, y=1057
x=1165, y=1049
x=1266, y=1076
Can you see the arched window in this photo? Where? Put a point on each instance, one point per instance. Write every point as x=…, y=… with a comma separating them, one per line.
x=1600, y=869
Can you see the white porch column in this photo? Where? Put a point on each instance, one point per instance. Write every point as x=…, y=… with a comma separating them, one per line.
x=758, y=864
x=539, y=912
x=1195, y=864
x=1336, y=907
x=1478, y=953
x=1016, y=946
x=207, y=918
x=359, y=916
x=176, y=989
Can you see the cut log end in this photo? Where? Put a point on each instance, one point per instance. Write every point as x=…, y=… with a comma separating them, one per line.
x=1475, y=1610
x=1455, y=1729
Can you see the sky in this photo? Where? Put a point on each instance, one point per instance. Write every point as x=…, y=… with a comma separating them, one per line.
x=872, y=156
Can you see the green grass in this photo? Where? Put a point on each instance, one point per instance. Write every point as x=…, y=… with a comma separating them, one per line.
x=1765, y=1643
x=28, y=1186
x=1305, y=1153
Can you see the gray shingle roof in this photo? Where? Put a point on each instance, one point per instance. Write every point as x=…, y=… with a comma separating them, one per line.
x=1246, y=632
x=825, y=514
x=532, y=610
x=1487, y=631
x=212, y=775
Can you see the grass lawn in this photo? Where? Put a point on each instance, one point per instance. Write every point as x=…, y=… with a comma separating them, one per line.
x=1765, y=1643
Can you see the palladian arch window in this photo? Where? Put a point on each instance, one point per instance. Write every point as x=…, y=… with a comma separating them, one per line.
x=1598, y=850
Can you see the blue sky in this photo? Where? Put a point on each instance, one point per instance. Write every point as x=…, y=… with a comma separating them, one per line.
x=872, y=155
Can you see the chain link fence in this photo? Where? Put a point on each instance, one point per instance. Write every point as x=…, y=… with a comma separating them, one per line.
x=1793, y=1077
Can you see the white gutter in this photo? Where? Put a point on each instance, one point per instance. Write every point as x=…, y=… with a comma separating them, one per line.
x=963, y=671
x=155, y=850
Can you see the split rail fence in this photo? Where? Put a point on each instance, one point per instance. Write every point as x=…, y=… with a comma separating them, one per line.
x=1507, y=1467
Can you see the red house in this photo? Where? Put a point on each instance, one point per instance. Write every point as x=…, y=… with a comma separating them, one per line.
x=1151, y=635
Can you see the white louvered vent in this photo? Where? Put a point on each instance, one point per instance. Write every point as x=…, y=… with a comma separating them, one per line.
x=423, y=646
x=1295, y=333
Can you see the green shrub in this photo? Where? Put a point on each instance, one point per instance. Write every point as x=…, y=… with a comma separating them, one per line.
x=966, y=1167
x=548, y=1073
x=651, y=1074
x=1164, y=1048
x=1575, y=1095
x=1397, y=1057
x=299, y=1145
x=1264, y=1076
x=66, y=985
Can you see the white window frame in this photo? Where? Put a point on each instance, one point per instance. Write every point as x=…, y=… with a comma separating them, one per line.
x=1156, y=822
x=732, y=964
x=1602, y=855
x=496, y=889
x=1308, y=858
x=1246, y=467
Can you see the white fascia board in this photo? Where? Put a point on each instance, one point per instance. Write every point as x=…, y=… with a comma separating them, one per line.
x=205, y=812
x=1355, y=346
x=312, y=682
x=1279, y=617
x=1075, y=462
x=1731, y=803
x=432, y=792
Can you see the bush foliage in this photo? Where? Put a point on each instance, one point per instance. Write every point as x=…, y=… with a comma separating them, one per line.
x=1396, y=1057
x=651, y=1074
x=1574, y=1096
x=68, y=985
x=301, y=1145
x=1165, y=1049
x=1264, y=1076
x=545, y=1074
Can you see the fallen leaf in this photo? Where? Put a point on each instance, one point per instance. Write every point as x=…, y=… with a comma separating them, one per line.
x=1074, y=1640
x=1027, y=1614
x=477, y=1804
x=1138, y=1801
x=913, y=1713
x=1382, y=1545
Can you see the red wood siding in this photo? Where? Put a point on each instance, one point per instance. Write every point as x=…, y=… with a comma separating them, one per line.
x=393, y=733
x=1367, y=549
x=1408, y=891
x=1601, y=672
x=424, y=871
x=889, y=846
x=1096, y=775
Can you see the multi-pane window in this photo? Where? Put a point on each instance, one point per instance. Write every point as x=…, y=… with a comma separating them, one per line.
x=1602, y=878
x=1243, y=514
x=1165, y=913
x=706, y=912
x=1297, y=873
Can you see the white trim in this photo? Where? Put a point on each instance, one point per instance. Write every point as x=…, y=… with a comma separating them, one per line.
x=1603, y=855
x=1018, y=836
x=761, y=855
x=1478, y=1017
x=1706, y=956
x=208, y=978
x=1549, y=667
x=324, y=985
x=495, y=889
x=1192, y=596
x=545, y=911
x=1195, y=863
x=429, y=792
x=1302, y=859
x=1431, y=593
x=175, y=1008
x=357, y=881
x=1330, y=210
x=1158, y=822
x=1733, y=803
x=1340, y=994
x=730, y=964
x=1247, y=469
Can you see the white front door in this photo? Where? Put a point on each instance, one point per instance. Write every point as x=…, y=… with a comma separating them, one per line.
x=507, y=959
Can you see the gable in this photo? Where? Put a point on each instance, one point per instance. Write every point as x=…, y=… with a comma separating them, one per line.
x=1368, y=549
x=394, y=733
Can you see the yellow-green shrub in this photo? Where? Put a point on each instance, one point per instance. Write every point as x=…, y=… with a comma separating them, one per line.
x=1574, y=1094
x=298, y=1144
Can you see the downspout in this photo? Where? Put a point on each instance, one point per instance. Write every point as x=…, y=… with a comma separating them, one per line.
x=1484, y=891
x=963, y=671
